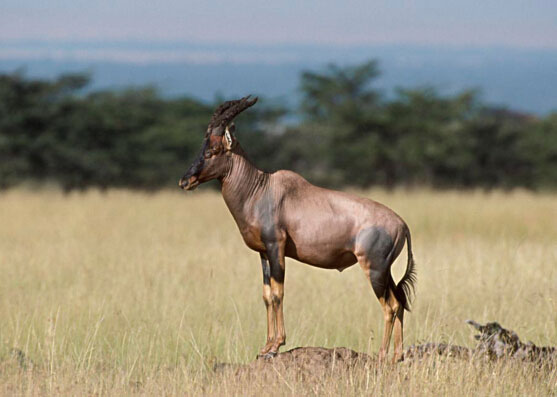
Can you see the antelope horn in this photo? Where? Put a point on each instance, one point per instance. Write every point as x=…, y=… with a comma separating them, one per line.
x=226, y=112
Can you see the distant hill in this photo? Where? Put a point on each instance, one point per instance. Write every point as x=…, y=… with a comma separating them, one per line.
x=522, y=79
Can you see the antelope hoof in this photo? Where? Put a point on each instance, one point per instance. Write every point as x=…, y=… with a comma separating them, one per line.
x=268, y=346
x=398, y=358
x=267, y=356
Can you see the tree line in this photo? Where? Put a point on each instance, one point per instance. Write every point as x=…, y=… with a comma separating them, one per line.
x=345, y=133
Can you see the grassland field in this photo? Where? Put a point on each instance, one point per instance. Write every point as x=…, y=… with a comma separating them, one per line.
x=128, y=293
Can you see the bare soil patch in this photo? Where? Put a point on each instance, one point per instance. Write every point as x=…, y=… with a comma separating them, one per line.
x=494, y=343
x=305, y=362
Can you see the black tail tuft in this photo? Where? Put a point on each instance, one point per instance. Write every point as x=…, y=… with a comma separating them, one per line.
x=405, y=288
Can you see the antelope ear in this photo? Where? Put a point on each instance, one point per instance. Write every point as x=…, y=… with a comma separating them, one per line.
x=229, y=139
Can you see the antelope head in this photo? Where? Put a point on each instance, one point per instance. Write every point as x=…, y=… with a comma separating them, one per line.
x=214, y=159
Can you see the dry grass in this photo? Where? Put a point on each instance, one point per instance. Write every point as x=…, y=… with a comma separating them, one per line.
x=130, y=293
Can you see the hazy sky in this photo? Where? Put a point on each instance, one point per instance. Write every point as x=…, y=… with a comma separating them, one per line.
x=517, y=23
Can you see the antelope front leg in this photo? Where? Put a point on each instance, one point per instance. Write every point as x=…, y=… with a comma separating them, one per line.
x=268, y=299
x=277, y=289
x=275, y=254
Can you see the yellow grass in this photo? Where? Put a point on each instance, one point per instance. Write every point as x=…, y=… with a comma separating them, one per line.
x=132, y=293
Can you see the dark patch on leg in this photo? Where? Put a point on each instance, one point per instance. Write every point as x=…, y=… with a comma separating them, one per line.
x=266, y=270
x=378, y=246
x=277, y=272
x=378, y=283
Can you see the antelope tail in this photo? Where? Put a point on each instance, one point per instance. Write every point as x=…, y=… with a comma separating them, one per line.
x=404, y=290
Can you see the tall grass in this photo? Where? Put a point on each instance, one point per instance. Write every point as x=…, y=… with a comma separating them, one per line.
x=133, y=293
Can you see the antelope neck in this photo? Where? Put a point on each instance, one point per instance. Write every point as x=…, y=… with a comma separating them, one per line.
x=242, y=182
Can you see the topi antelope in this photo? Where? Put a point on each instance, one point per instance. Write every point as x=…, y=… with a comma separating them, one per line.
x=282, y=215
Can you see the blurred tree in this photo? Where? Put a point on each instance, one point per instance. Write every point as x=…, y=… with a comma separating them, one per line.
x=27, y=110
x=348, y=135
x=344, y=118
x=131, y=138
x=537, y=147
x=431, y=141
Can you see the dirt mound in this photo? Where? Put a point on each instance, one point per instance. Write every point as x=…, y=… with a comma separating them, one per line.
x=493, y=342
x=305, y=362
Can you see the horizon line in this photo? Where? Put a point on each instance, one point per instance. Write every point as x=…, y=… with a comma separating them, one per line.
x=279, y=44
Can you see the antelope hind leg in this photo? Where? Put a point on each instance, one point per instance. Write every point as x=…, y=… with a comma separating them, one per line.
x=398, y=335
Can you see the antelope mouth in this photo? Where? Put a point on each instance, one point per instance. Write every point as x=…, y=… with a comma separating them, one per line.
x=189, y=184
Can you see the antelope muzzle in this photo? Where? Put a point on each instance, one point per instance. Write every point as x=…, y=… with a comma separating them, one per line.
x=188, y=182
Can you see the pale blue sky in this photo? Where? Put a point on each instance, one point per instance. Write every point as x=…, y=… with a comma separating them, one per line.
x=515, y=23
